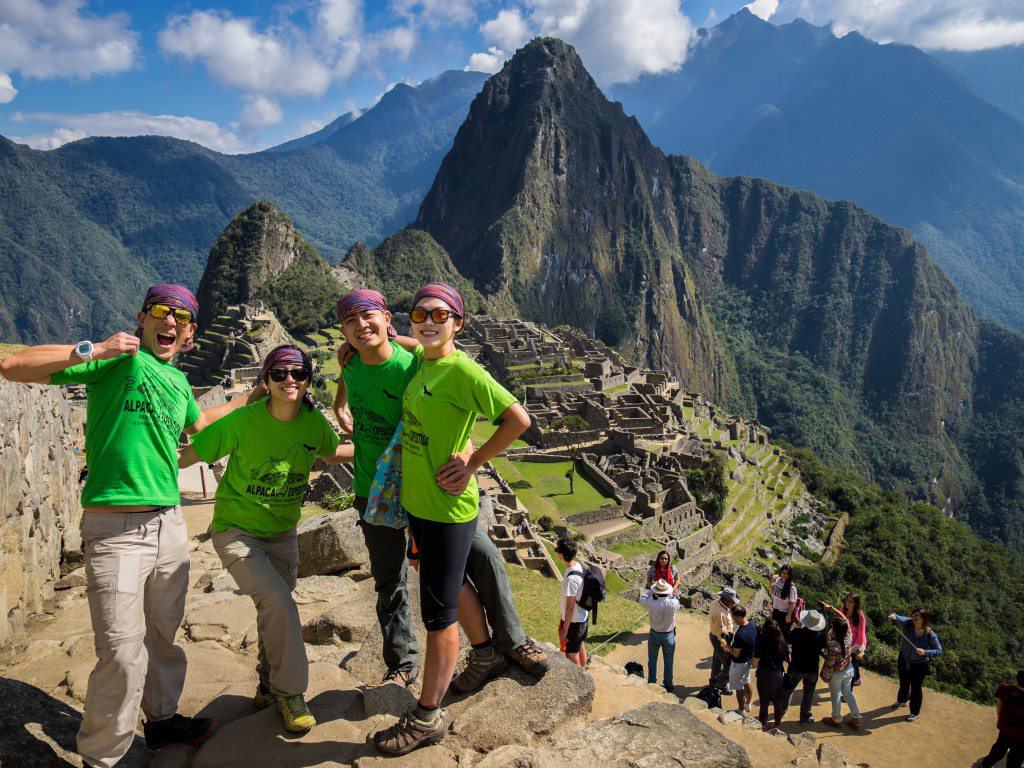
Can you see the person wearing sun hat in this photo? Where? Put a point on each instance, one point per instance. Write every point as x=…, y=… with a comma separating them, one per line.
x=721, y=625
x=271, y=445
x=662, y=605
x=807, y=643
x=136, y=546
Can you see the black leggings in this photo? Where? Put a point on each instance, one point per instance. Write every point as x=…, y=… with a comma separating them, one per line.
x=1003, y=745
x=785, y=626
x=911, y=683
x=444, y=549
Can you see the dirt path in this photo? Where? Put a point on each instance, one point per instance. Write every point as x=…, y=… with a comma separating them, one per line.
x=950, y=732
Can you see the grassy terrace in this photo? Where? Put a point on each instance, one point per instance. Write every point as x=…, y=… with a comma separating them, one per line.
x=635, y=548
x=544, y=489
x=482, y=431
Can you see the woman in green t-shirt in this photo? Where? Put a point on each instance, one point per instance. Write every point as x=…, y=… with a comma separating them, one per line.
x=271, y=446
x=439, y=491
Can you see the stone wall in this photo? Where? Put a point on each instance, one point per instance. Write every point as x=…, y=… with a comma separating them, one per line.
x=39, y=504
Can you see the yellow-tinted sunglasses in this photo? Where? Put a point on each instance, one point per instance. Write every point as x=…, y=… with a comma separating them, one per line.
x=160, y=311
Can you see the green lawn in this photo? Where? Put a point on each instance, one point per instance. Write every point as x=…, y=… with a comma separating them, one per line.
x=635, y=548
x=544, y=489
x=538, y=601
x=482, y=431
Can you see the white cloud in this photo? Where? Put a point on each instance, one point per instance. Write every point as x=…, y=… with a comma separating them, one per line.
x=60, y=39
x=437, y=13
x=7, y=89
x=259, y=112
x=398, y=41
x=763, y=8
x=340, y=18
x=619, y=40
x=508, y=30
x=238, y=55
x=952, y=24
x=70, y=127
x=491, y=61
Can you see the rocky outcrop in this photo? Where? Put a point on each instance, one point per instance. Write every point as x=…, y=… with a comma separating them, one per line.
x=331, y=543
x=649, y=735
x=39, y=504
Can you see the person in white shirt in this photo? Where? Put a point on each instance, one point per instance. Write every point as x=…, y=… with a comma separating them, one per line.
x=662, y=607
x=572, y=624
x=784, y=600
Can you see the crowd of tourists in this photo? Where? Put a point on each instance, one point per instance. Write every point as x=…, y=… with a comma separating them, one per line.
x=409, y=404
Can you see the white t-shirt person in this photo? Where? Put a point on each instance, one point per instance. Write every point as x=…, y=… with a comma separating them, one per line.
x=780, y=602
x=572, y=586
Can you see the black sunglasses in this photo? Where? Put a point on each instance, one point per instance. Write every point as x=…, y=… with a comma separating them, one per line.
x=280, y=374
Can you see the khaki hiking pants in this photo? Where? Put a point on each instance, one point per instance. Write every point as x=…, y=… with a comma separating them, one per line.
x=266, y=570
x=136, y=566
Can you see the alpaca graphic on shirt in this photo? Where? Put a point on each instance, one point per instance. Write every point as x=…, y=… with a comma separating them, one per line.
x=293, y=468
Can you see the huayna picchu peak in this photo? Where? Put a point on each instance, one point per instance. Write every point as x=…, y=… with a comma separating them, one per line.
x=833, y=327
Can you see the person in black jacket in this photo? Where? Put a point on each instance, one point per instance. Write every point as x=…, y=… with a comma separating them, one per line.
x=770, y=657
x=807, y=642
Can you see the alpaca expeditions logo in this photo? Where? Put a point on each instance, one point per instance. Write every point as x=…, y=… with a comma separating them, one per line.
x=155, y=399
x=282, y=481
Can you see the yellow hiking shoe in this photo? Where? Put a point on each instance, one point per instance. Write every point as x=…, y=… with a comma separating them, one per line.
x=296, y=715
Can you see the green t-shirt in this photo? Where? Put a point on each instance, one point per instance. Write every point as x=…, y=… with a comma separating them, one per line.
x=268, y=469
x=137, y=407
x=440, y=407
x=375, y=399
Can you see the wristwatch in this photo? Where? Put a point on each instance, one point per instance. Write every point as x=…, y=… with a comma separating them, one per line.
x=84, y=350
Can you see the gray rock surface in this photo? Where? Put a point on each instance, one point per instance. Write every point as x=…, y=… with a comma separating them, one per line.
x=646, y=736
x=349, y=622
x=330, y=543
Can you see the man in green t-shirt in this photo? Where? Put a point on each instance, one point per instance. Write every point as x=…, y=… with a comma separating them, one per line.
x=369, y=405
x=136, y=546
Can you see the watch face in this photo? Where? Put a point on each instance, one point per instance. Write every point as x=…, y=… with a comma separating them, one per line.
x=84, y=349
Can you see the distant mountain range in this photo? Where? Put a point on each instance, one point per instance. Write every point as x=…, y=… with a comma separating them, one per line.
x=997, y=73
x=84, y=228
x=886, y=126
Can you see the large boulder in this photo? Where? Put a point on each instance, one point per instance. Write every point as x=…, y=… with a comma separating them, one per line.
x=349, y=621
x=649, y=735
x=330, y=543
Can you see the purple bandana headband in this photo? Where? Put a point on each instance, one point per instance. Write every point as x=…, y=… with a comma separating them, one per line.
x=174, y=296
x=363, y=300
x=444, y=292
x=285, y=355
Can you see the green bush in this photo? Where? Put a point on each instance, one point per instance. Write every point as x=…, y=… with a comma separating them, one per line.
x=546, y=523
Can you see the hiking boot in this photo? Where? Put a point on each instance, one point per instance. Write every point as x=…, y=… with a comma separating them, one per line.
x=295, y=713
x=411, y=733
x=832, y=721
x=912, y=718
x=530, y=658
x=263, y=697
x=854, y=722
x=899, y=705
x=807, y=720
x=405, y=677
x=177, y=729
x=480, y=667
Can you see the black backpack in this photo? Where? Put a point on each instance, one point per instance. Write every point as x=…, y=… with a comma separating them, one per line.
x=710, y=695
x=593, y=591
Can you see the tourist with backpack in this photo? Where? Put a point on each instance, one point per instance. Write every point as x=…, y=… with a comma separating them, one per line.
x=1010, y=722
x=662, y=606
x=785, y=601
x=920, y=645
x=741, y=647
x=573, y=619
x=439, y=492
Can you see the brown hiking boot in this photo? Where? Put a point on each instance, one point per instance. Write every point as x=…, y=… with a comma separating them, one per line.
x=530, y=658
x=410, y=733
x=481, y=666
x=404, y=677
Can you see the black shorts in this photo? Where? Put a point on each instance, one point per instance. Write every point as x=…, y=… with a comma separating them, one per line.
x=443, y=551
x=576, y=635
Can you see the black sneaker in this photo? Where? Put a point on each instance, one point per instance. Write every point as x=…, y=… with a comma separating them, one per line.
x=178, y=729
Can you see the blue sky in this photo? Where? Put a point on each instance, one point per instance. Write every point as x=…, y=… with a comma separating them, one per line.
x=240, y=75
